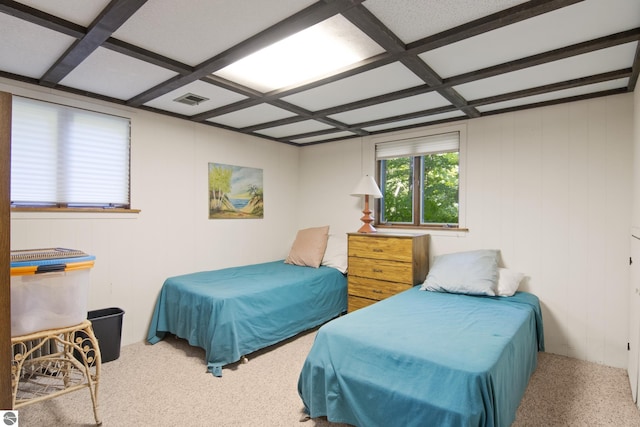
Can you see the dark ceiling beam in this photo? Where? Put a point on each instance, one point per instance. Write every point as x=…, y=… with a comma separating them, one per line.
x=301, y=114
x=397, y=50
x=62, y=26
x=491, y=22
x=312, y=15
x=369, y=24
x=374, y=28
x=146, y=56
x=232, y=86
x=386, y=38
x=258, y=97
x=406, y=116
x=422, y=70
x=252, y=98
x=418, y=125
x=311, y=135
x=111, y=18
x=418, y=90
x=35, y=16
x=423, y=89
x=568, y=84
x=583, y=81
x=635, y=70
x=557, y=101
x=359, y=127
x=375, y=100
x=341, y=127
x=497, y=20
x=554, y=87
x=349, y=71
x=226, y=109
x=545, y=57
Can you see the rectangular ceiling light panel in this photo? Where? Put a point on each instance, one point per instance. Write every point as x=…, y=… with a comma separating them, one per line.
x=315, y=52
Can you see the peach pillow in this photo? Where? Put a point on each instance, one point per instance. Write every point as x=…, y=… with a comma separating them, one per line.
x=308, y=247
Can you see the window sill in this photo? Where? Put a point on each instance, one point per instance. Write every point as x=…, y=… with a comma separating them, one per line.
x=420, y=227
x=102, y=210
x=73, y=213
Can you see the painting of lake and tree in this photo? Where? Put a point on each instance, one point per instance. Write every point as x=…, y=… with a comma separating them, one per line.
x=235, y=192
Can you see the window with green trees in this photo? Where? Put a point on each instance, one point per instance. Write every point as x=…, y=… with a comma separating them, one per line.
x=419, y=180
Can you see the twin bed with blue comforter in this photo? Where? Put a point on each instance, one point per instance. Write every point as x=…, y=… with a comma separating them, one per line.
x=425, y=358
x=430, y=356
x=235, y=311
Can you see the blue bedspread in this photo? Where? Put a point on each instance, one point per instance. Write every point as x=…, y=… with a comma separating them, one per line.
x=425, y=359
x=235, y=311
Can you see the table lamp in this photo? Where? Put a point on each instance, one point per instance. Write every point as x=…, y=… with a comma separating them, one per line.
x=367, y=187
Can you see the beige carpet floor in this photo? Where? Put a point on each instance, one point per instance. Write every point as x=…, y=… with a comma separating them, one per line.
x=167, y=385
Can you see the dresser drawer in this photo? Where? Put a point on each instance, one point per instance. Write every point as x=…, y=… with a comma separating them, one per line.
x=392, y=271
x=374, y=289
x=354, y=303
x=388, y=248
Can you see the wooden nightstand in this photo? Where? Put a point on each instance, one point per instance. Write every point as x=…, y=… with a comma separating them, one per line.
x=384, y=264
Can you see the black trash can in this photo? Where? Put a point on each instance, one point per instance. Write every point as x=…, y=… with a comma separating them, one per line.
x=107, y=327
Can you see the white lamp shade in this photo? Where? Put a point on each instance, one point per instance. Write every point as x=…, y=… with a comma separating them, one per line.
x=367, y=186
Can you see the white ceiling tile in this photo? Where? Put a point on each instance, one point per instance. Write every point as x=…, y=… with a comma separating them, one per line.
x=81, y=12
x=217, y=98
x=411, y=104
x=28, y=49
x=294, y=129
x=109, y=73
x=419, y=120
x=597, y=19
x=324, y=137
x=200, y=29
x=412, y=20
x=262, y=113
x=365, y=85
x=577, y=91
x=601, y=61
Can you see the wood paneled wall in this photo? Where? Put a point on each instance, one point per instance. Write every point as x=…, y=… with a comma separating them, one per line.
x=5, y=264
x=550, y=187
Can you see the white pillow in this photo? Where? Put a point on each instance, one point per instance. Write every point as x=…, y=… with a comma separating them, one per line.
x=508, y=282
x=471, y=272
x=336, y=253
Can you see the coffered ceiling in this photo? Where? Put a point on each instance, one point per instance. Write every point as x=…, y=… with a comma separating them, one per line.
x=426, y=61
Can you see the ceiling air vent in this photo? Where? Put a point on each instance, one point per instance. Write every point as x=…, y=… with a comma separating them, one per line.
x=191, y=99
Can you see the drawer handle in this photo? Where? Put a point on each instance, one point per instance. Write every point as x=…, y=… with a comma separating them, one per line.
x=375, y=291
x=377, y=250
x=377, y=270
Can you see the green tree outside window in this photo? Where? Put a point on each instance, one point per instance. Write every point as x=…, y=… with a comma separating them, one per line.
x=437, y=184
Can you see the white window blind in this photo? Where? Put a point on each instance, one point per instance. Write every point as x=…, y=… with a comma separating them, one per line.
x=441, y=143
x=68, y=156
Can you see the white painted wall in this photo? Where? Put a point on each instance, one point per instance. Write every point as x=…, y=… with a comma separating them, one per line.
x=172, y=234
x=549, y=187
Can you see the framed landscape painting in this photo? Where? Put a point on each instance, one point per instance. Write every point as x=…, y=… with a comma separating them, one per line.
x=235, y=192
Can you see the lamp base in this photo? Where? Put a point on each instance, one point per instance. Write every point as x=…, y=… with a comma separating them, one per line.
x=367, y=228
x=366, y=218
